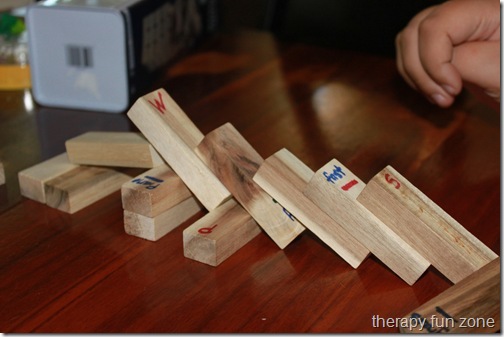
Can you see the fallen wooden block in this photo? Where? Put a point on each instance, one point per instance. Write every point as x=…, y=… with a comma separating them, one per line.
x=154, y=192
x=219, y=234
x=2, y=174
x=32, y=179
x=174, y=136
x=119, y=149
x=327, y=190
x=470, y=306
x=82, y=186
x=234, y=161
x=446, y=244
x=284, y=177
x=158, y=226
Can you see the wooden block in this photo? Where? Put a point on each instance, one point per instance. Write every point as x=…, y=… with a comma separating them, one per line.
x=32, y=179
x=155, y=228
x=82, y=186
x=327, y=190
x=154, y=192
x=2, y=174
x=446, y=244
x=234, y=161
x=284, y=177
x=470, y=306
x=120, y=149
x=174, y=136
x=219, y=234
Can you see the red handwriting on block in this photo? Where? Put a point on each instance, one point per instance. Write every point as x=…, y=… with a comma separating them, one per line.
x=159, y=105
x=206, y=230
x=392, y=181
x=349, y=185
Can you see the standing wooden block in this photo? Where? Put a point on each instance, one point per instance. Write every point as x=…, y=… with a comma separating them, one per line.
x=219, y=234
x=2, y=174
x=326, y=189
x=158, y=226
x=234, y=161
x=82, y=186
x=32, y=179
x=174, y=136
x=121, y=149
x=154, y=192
x=284, y=177
x=446, y=244
x=470, y=306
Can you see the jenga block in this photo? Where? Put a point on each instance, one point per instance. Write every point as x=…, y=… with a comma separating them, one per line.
x=219, y=234
x=2, y=174
x=470, y=306
x=154, y=192
x=120, y=149
x=174, y=136
x=284, y=177
x=32, y=179
x=234, y=161
x=327, y=190
x=82, y=186
x=155, y=228
x=446, y=244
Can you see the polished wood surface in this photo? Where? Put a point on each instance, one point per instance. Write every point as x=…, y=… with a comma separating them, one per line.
x=82, y=273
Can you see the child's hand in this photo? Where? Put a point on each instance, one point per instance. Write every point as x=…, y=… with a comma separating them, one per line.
x=438, y=49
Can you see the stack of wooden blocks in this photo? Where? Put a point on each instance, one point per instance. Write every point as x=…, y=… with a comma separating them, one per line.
x=245, y=194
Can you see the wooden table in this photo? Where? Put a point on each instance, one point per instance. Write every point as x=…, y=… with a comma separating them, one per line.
x=82, y=273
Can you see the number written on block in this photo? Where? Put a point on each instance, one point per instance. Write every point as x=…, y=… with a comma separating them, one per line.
x=392, y=181
x=339, y=174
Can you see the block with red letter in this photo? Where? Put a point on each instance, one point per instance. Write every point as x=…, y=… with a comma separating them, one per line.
x=329, y=190
x=234, y=161
x=175, y=136
x=219, y=234
x=284, y=177
x=445, y=243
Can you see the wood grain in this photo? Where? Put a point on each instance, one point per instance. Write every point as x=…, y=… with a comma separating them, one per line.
x=470, y=306
x=234, y=161
x=425, y=226
x=284, y=177
x=386, y=245
x=154, y=192
x=154, y=228
x=76, y=189
x=33, y=179
x=219, y=234
x=118, y=149
x=2, y=174
x=174, y=137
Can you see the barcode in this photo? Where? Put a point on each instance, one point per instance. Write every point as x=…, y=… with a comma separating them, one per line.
x=78, y=56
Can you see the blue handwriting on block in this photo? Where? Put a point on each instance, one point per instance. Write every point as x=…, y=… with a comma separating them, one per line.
x=336, y=174
x=149, y=182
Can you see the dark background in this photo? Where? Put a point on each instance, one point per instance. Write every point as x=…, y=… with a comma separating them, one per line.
x=363, y=25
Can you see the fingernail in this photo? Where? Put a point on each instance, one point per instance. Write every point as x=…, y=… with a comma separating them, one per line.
x=439, y=99
x=449, y=89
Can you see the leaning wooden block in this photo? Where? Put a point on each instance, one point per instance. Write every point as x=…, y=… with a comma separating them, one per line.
x=284, y=177
x=234, y=161
x=446, y=244
x=154, y=192
x=470, y=306
x=219, y=234
x=326, y=189
x=120, y=149
x=2, y=174
x=32, y=179
x=174, y=136
x=82, y=186
x=155, y=228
